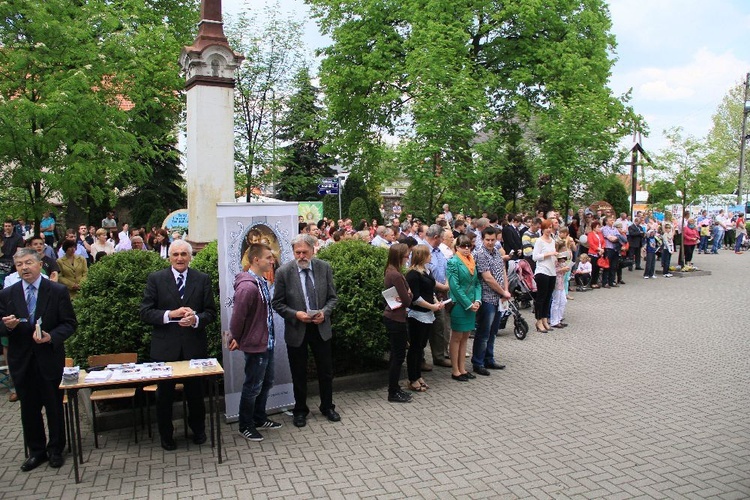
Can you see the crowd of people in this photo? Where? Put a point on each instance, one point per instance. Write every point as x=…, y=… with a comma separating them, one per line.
x=451, y=280
x=451, y=276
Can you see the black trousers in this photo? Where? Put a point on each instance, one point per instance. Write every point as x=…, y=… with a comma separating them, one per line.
x=321, y=350
x=397, y=335
x=419, y=333
x=635, y=254
x=195, y=403
x=43, y=394
x=545, y=285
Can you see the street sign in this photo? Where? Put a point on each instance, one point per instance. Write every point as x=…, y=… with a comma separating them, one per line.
x=322, y=190
x=328, y=184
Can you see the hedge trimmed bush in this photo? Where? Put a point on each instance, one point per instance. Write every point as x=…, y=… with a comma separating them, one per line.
x=359, y=338
x=107, y=307
x=207, y=261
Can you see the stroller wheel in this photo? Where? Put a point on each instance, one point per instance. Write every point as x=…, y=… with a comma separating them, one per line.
x=520, y=328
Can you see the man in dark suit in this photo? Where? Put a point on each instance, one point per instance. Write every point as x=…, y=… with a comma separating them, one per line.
x=512, y=238
x=179, y=303
x=304, y=296
x=36, y=364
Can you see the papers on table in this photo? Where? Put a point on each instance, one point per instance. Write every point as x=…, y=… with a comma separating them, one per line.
x=99, y=376
x=70, y=374
x=203, y=363
x=130, y=371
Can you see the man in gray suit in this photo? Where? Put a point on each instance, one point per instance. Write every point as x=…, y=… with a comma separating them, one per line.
x=304, y=296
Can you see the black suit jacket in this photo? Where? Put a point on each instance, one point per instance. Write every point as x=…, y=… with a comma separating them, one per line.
x=512, y=241
x=53, y=306
x=172, y=342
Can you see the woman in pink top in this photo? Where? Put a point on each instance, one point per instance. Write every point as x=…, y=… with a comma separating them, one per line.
x=690, y=238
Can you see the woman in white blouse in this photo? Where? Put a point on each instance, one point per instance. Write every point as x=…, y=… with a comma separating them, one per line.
x=544, y=255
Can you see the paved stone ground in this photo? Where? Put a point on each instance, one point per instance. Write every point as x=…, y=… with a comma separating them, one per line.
x=645, y=395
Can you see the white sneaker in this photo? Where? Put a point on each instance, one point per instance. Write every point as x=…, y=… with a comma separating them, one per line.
x=645, y=277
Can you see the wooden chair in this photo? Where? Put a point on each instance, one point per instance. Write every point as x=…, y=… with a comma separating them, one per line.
x=117, y=393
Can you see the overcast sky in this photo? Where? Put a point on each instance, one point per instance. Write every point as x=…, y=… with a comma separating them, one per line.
x=680, y=57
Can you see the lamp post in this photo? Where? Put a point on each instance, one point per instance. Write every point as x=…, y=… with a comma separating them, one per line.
x=743, y=139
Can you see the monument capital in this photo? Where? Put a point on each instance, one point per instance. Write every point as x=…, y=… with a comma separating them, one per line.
x=210, y=60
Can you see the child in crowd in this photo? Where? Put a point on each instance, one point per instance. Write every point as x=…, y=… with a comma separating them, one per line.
x=652, y=243
x=559, y=299
x=667, y=249
x=583, y=273
x=563, y=235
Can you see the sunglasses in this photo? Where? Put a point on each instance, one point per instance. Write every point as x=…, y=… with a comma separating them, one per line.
x=466, y=245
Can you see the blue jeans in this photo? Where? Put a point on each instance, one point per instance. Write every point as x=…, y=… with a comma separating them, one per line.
x=488, y=323
x=718, y=239
x=703, y=246
x=258, y=381
x=738, y=243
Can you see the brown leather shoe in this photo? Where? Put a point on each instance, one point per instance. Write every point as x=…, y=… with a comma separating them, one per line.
x=12, y=397
x=425, y=367
x=442, y=362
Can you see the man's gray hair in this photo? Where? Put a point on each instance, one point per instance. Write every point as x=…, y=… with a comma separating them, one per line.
x=181, y=243
x=307, y=239
x=434, y=231
x=482, y=222
x=380, y=230
x=25, y=252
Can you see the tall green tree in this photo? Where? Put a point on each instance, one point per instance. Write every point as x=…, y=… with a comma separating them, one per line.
x=272, y=45
x=302, y=164
x=437, y=73
x=89, y=95
x=724, y=138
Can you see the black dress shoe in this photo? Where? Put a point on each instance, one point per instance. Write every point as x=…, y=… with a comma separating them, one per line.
x=481, y=370
x=56, y=460
x=299, y=420
x=495, y=366
x=33, y=462
x=332, y=415
x=199, y=438
x=168, y=444
x=470, y=375
x=460, y=378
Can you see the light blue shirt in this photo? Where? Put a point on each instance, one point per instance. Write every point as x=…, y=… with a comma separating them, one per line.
x=438, y=265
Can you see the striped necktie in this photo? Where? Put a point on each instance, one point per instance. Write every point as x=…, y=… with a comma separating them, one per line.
x=31, y=301
x=181, y=285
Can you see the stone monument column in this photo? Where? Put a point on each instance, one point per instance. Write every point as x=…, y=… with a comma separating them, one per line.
x=209, y=65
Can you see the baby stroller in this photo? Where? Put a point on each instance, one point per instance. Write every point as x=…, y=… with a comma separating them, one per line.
x=521, y=283
x=521, y=289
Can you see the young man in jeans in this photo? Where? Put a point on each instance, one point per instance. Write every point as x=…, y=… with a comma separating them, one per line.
x=251, y=326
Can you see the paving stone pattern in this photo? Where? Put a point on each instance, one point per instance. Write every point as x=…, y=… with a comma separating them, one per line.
x=645, y=395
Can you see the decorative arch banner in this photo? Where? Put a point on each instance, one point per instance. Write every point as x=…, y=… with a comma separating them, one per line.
x=239, y=225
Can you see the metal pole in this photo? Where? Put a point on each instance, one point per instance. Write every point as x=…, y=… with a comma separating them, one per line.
x=341, y=186
x=633, y=179
x=742, y=139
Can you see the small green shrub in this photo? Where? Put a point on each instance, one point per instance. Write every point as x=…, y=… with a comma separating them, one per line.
x=207, y=261
x=107, y=307
x=359, y=335
x=358, y=210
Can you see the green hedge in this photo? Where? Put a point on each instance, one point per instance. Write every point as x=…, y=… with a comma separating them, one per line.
x=207, y=261
x=359, y=338
x=107, y=307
